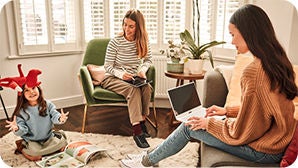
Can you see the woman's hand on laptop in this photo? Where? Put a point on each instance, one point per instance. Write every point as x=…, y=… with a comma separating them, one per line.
x=197, y=123
x=215, y=111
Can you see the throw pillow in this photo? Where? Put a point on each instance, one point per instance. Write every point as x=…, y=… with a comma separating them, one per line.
x=296, y=99
x=97, y=73
x=226, y=71
x=291, y=151
x=234, y=95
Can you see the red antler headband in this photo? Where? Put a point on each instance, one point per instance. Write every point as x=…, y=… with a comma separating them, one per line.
x=16, y=83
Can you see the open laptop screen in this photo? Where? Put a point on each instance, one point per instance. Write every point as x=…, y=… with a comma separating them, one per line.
x=184, y=98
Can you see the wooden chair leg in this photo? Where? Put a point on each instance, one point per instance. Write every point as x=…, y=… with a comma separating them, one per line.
x=154, y=124
x=84, y=118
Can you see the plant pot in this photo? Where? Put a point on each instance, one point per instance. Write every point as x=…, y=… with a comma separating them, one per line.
x=175, y=67
x=195, y=66
x=175, y=60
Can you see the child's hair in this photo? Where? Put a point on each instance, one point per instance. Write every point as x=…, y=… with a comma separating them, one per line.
x=22, y=103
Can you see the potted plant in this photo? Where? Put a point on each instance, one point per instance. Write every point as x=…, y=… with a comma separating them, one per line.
x=175, y=53
x=198, y=51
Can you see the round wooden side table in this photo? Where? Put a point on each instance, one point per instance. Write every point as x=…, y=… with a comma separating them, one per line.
x=182, y=76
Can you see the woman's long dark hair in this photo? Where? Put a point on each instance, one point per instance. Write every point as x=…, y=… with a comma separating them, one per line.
x=22, y=103
x=259, y=35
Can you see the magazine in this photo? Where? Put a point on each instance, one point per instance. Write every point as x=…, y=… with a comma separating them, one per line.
x=75, y=154
x=138, y=81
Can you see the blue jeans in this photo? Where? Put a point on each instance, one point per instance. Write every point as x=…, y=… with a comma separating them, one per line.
x=181, y=136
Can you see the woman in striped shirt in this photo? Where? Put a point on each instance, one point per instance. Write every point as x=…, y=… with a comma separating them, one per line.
x=128, y=55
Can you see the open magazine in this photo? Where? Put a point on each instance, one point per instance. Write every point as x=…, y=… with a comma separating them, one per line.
x=75, y=154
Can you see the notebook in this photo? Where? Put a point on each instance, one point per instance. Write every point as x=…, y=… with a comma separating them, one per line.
x=185, y=102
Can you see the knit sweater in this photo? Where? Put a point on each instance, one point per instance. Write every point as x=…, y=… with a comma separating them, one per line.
x=265, y=119
x=37, y=128
x=122, y=56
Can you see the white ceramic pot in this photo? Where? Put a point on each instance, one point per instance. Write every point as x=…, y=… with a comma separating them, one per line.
x=195, y=66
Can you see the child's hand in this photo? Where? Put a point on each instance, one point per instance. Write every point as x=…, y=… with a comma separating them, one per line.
x=63, y=116
x=12, y=125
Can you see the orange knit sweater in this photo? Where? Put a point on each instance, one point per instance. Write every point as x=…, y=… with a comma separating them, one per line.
x=265, y=119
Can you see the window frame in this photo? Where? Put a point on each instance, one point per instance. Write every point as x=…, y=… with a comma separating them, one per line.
x=226, y=54
x=49, y=49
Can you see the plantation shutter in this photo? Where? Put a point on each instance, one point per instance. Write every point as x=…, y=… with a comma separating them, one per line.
x=33, y=23
x=225, y=9
x=63, y=23
x=149, y=8
x=173, y=19
x=214, y=20
x=94, y=19
x=118, y=9
x=45, y=26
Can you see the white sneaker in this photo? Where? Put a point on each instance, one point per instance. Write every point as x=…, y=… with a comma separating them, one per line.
x=136, y=156
x=131, y=163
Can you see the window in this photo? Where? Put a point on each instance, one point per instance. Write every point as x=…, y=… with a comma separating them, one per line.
x=46, y=26
x=165, y=19
x=55, y=26
x=214, y=20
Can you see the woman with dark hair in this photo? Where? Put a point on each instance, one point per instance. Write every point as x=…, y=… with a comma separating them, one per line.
x=262, y=127
x=128, y=56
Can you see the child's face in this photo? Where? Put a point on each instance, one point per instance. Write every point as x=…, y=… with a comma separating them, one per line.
x=31, y=94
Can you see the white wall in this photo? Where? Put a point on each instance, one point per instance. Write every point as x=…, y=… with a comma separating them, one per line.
x=59, y=73
x=283, y=16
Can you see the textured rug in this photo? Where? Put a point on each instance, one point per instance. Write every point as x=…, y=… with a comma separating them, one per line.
x=117, y=148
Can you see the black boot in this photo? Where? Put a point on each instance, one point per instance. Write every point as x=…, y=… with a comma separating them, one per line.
x=141, y=141
x=139, y=137
x=144, y=129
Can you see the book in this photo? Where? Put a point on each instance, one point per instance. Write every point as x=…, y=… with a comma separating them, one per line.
x=75, y=154
x=138, y=81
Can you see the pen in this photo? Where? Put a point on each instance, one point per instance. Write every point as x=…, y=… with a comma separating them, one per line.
x=127, y=72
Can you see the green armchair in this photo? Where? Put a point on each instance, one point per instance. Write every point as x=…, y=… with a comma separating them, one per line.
x=96, y=95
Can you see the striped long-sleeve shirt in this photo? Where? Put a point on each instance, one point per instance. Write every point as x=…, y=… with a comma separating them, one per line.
x=121, y=56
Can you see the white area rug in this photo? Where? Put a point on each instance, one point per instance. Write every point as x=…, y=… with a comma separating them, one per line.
x=117, y=148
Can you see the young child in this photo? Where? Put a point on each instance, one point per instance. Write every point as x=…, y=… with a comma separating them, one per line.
x=34, y=119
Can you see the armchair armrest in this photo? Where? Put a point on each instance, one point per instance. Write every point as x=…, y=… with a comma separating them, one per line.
x=151, y=76
x=87, y=84
x=215, y=89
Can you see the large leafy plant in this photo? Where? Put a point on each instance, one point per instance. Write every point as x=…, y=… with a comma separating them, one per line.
x=198, y=51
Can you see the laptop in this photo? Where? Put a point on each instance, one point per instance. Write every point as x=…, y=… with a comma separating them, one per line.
x=185, y=102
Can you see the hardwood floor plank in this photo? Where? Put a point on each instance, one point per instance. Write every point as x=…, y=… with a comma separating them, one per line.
x=108, y=120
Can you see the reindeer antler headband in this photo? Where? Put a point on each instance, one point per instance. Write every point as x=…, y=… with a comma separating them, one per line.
x=17, y=83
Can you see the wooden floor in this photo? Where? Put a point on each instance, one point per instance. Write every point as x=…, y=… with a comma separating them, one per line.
x=109, y=120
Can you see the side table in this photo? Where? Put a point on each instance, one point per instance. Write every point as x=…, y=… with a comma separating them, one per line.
x=180, y=81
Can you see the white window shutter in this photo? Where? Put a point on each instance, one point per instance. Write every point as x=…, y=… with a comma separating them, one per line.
x=118, y=9
x=173, y=19
x=94, y=19
x=63, y=21
x=149, y=9
x=46, y=27
x=33, y=21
